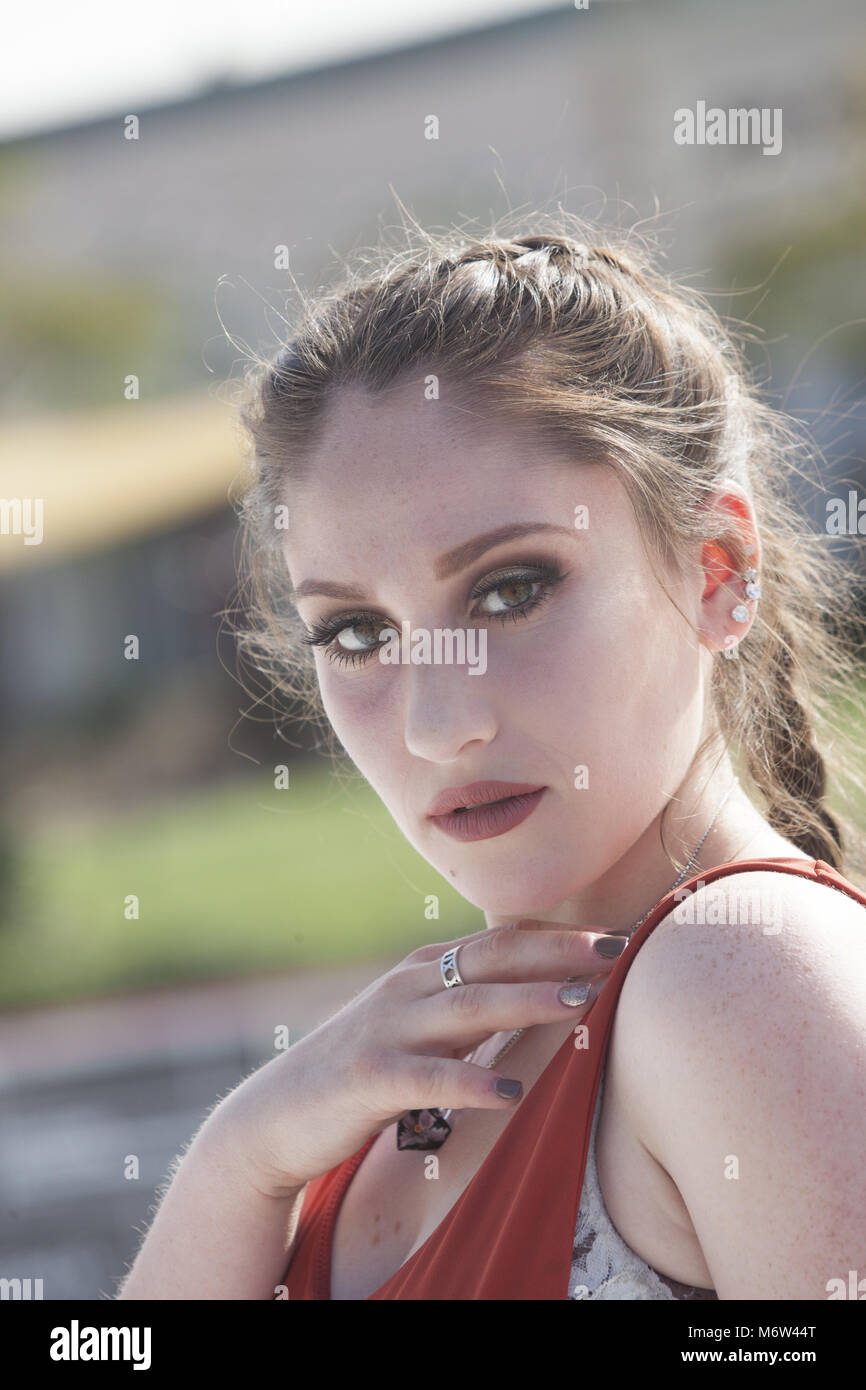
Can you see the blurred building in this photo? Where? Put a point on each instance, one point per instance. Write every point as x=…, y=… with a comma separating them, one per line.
x=156, y=257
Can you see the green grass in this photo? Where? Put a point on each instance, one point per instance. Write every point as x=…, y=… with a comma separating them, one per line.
x=232, y=881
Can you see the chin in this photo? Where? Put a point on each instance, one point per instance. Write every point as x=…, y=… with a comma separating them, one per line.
x=512, y=894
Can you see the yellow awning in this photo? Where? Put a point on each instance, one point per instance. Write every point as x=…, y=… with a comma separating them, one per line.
x=114, y=473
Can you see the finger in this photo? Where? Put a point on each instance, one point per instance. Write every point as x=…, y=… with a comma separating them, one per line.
x=455, y=1019
x=536, y=951
x=444, y=1083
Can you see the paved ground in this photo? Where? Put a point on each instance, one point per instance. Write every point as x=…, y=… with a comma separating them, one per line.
x=84, y=1086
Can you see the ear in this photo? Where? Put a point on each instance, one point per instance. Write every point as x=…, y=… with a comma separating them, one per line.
x=723, y=563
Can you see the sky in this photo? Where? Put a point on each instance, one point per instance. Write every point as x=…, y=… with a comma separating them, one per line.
x=63, y=61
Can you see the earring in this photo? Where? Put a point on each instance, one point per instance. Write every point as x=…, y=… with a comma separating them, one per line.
x=740, y=614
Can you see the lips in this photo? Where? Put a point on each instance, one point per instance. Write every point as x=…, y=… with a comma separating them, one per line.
x=457, y=799
x=487, y=820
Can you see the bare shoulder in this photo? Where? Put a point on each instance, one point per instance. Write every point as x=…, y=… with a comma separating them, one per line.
x=749, y=926
x=741, y=1060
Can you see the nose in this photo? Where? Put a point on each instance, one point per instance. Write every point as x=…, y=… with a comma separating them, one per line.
x=447, y=709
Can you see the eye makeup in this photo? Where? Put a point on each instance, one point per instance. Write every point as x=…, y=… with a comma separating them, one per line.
x=543, y=575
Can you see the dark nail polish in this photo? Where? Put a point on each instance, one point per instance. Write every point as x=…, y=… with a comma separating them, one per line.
x=508, y=1089
x=610, y=946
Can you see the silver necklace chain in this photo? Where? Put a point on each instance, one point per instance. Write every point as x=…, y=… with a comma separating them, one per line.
x=677, y=881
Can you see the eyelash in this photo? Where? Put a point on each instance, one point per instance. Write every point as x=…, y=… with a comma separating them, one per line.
x=324, y=634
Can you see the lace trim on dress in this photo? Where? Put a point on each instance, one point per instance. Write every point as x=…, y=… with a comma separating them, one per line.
x=603, y=1266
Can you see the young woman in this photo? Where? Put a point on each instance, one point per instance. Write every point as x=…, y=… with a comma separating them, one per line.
x=542, y=578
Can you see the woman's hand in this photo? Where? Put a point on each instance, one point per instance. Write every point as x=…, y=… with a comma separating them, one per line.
x=399, y=1045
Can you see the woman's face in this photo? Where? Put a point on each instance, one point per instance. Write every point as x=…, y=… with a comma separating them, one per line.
x=593, y=686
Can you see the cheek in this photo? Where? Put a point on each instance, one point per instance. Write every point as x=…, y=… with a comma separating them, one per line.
x=361, y=711
x=577, y=661
x=613, y=681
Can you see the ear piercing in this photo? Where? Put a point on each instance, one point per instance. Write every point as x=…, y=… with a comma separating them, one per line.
x=740, y=614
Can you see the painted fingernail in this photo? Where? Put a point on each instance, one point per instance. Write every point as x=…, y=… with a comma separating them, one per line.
x=508, y=1089
x=574, y=995
x=610, y=946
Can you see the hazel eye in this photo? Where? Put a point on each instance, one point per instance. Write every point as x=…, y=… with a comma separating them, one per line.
x=356, y=650
x=367, y=624
x=518, y=592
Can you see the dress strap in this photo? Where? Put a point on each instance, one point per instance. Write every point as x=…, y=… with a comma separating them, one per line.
x=817, y=869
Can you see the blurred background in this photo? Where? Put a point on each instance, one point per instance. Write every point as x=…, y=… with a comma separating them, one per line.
x=265, y=126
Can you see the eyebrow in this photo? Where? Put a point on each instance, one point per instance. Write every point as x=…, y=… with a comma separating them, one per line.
x=451, y=563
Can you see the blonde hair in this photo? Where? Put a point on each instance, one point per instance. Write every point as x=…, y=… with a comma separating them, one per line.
x=578, y=333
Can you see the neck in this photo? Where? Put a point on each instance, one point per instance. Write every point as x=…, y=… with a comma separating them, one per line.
x=632, y=885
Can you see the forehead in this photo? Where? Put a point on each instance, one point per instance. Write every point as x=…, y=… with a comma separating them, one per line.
x=402, y=436
x=397, y=472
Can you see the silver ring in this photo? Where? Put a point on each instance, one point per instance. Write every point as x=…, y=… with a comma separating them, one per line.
x=448, y=966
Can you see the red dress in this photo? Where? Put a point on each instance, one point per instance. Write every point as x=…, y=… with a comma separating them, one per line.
x=510, y=1233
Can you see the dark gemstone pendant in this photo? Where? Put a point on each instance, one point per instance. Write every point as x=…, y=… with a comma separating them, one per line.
x=422, y=1129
